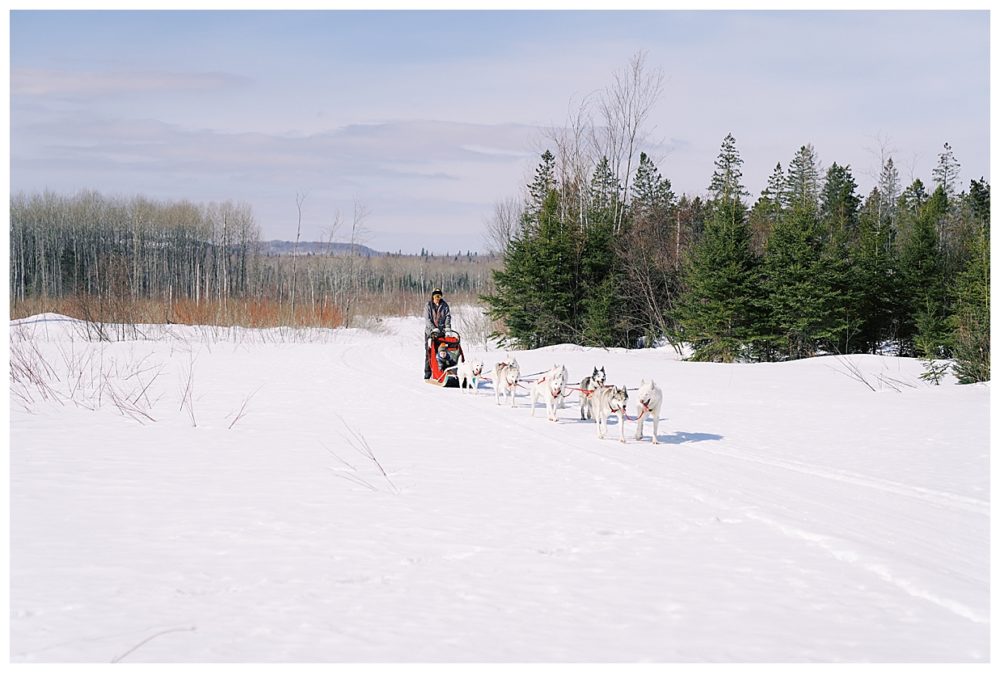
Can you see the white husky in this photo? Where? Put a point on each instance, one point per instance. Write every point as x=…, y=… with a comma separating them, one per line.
x=505, y=380
x=648, y=404
x=608, y=400
x=550, y=389
x=587, y=387
x=470, y=371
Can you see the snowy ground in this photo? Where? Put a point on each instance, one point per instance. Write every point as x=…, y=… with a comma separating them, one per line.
x=789, y=514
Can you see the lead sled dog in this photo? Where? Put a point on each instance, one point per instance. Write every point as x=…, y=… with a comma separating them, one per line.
x=608, y=400
x=650, y=399
x=470, y=371
x=550, y=389
x=587, y=387
x=507, y=374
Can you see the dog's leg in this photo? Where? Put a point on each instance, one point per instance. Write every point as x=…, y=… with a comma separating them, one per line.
x=638, y=424
x=621, y=424
x=656, y=425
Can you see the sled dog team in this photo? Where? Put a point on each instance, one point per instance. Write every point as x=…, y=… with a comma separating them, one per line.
x=597, y=400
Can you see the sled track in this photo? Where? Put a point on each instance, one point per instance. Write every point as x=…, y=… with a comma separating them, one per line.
x=947, y=500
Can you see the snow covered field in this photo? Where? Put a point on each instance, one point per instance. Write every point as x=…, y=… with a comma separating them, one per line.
x=210, y=495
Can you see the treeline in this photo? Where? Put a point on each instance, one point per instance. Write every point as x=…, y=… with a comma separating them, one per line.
x=810, y=267
x=100, y=257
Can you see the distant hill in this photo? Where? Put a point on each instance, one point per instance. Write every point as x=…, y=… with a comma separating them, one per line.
x=316, y=248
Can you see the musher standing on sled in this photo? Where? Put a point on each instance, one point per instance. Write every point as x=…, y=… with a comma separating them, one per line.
x=437, y=320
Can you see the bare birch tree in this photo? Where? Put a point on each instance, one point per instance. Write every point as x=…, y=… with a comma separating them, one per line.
x=504, y=225
x=625, y=106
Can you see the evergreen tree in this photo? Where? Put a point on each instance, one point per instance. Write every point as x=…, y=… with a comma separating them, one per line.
x=801, y=299
x=839, y=227
x=651, y=193
x=923, y=329
x=534, y=292
x=727, y=186
x=946, y=172
x=598, y=268
x=605, y=192
x=888, y=192
x=839, y=203
x=909, y=207
x=971, y=320
x=715, y=313
x=802, y=185
x=648, y=249
x=979, y=200
x=802, y=281
x=876, y=274
x=768, y=209
x=540, y=187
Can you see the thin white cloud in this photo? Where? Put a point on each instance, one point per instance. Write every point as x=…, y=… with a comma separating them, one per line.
x=62, y=83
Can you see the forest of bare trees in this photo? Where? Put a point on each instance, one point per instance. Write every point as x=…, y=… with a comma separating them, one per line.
x=129, y=260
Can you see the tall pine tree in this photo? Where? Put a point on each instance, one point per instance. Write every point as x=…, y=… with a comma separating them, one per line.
x=715, y=314
x=801, y=289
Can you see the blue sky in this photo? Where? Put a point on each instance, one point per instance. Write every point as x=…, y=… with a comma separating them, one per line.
x=428, y=118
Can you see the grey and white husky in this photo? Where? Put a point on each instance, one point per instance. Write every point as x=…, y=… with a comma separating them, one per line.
x=505, y=380
x=608, y=400
x=470, y=371
x=650, y=398
x=550, y=389
x=587, y=387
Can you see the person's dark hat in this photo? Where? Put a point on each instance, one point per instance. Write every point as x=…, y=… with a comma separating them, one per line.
x=437, y=291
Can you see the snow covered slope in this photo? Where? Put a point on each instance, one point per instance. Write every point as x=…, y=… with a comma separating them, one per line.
x=219, y=496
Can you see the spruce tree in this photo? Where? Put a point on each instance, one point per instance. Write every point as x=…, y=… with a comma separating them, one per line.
x=800, y=278
x=540, y=187
x=727, y=180
x=923, y=329
x=839, y=227
x=768, y=209
x=946, y=172
x=716, y=310
x=971, y=319
x=876, y=273
x=604, y=193
x=802, y=184
x=598, y=267
x=651, y=193
x=648, y=248
x=535, y=291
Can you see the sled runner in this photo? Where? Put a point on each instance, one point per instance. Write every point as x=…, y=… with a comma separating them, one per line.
x=447, y=346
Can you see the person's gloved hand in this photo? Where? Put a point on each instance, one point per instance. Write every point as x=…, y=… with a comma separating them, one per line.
x=435, y=332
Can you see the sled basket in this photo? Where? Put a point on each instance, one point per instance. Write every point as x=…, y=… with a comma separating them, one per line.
x=447, y=376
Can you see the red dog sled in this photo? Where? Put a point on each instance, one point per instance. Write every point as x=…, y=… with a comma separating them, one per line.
x=444, y=352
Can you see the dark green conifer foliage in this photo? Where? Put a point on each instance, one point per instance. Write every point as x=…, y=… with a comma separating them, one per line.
x=839, y=228
x=716, y=312
x=803, y=303
x=768, y=209
x=923, y=328
x=601, y=313
x=971, y=320
x=876, y=272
